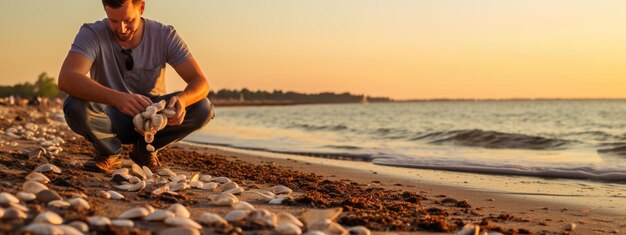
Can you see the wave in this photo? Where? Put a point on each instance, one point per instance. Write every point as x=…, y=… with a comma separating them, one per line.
x=310, y=127
x=492, y=139
x=613, y=149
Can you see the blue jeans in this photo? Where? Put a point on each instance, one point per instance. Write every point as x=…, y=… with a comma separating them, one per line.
x=108, y=129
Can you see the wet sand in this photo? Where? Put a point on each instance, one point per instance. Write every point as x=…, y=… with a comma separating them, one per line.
x=384, y=199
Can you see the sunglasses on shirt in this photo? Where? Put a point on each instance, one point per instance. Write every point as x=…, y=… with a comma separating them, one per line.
x=129, y=62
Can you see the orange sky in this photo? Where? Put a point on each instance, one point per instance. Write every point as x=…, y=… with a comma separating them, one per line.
x=401, y=48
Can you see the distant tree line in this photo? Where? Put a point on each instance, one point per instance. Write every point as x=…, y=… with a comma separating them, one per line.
x=279, y=95
x=43, y=87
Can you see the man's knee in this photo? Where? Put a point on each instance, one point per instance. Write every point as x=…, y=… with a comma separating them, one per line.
x=201, y=113
x=75, y=111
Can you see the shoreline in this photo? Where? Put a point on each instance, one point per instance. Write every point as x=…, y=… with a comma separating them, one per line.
x=383, y=199
x=607, y=197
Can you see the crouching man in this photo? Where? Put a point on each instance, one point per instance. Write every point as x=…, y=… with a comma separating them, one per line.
x=125, y=56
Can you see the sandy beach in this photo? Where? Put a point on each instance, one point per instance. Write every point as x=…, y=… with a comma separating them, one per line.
x=386, y=200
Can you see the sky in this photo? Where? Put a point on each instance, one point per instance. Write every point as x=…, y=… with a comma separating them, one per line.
x=403, y=49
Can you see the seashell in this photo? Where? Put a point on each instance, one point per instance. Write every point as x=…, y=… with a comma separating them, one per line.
x=227, y=186
x=33, y=187
x=323, y=225
x=180, y=231
x=280, y=189
x=43, y=229
x=36, y=153
x=222, y=199
x=235, y=191
x=80, y=226
x=26, y=197
x=159, y=215
x=236, y=216
x=288, y=229
x=166, y=172
x=146, y=171
x=179, y=187
x=38, y=177
x=134, y=213
x=148, y=137
x=147, y=126
x=48, y=167
x=48, y=217
x=221, y=179
x=286, y=218
x=149, y=208
x=335, y=228
x=179, y=210
x=59, y=204
x=121, y=171
x=98, y=221
x=195, y=176
x=104, y=194
x=70, y=230
x=19, y=207
x=134, y=180
x=121, y=178
x=52, y=150
x=13, y=213
x=47, y=196
x=263, y=218
x=197, y=184
x=178, y=178
x=79, y=204
x=169, y=112
x=150, y=111
x=150, y=148
x=159, y=105
x=278, y=200
x=138, y=123
x=123, y=223
x=115, y=195
x=469, y=229
x=157, y=121
x=161, y=190
x=164, y=123
x=138, y=171
x=312, y=215
x=7, y=198
x=570, y=227
x=242, y=205
x=182, y=222
x=209, y=186
x=205, y=178
x=132, y=187
x=359, y=230
x=212, y=219
x=264, y=195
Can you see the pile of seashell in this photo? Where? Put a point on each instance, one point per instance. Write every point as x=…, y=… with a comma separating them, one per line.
x=48, y=139
x=153, y=119
x=176, y=216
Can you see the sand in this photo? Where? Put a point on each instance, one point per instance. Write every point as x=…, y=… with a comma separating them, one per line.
x=384, y=199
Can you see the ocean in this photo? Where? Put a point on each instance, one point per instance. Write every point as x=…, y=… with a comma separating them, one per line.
x=574, y=139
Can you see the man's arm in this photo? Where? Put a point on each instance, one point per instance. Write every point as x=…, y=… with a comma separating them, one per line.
x=74, y=81
x=197, y=89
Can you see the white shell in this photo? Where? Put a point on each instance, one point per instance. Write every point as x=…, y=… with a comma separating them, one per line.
x=150, y=148
x=150, y=111
x=148, y=137
x=197, y=184
x=138, y=171
x=33, y=187
x=98, y=221
x=236, y=191
x=104, y=194
x=138, y=123
x=212, y=219
x=222, y=199
x=288, y=229
x=182, y=222
x=80, y=226
x=280, y=189
x=169, y=112
x=59, y=204
x=159, y=105
x=115, y=195
x=236, y=215
x=160, y=190
x=178, y=178
x=38, y=177
x=26, y=197
x=195, y=177
x=70, y=230
x=7, y=198
x=205, y=178
x=159, y=215
x=179, y=210
x=13, y=213
x=570, y=227
x=124, y=223
x=134, y=180
x=221, y=179
x=227, y=186
x=179, y=187
x=132, y=187
x=45, y=229
x=147, y=172
x=209, y=186
x=134, y=213
x=48, y=167
x=267, y=196
x=313, y=215
x=287, y=218
x=121, y=171
x=48, y=217
x=79, y=204
x=166, y=172
x=359, y=230
x=242, y=205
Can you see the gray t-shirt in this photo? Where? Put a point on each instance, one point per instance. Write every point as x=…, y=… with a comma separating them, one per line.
x=160, y=44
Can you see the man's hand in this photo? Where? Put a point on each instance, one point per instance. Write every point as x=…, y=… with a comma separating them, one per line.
x=179, y=104
x=131, y=104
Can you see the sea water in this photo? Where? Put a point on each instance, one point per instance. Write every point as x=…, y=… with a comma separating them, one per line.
x=578, y=139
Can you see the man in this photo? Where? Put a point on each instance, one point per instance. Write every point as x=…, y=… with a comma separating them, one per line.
x=125, y=56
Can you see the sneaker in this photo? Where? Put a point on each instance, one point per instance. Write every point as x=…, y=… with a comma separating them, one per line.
x=103, y=163
x=151, y=161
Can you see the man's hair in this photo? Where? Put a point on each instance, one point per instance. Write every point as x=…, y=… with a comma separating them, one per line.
x=118, y=3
